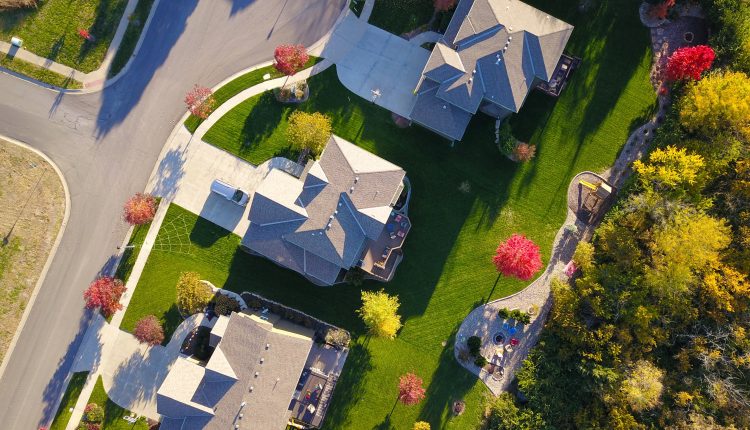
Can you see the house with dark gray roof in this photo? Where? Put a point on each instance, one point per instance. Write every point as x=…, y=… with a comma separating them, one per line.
x=491, y=55
x=254, y=379
x=338, y=215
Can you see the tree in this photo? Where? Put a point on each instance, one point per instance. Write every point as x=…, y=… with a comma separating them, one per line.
x=444, y=5
x=719, y=102
x=93, y=413
x=378, y=312
x=690, y=62
x=200, y=101
x=192, y=294
x=290, y=59
x=308, y=131
x=139, y=209
x=148, y=330
x=524, y=152
x=104, y=293
x=503, y=414
x=643, y=387
x=669, y=168
x=421, y=425
x=518, y=257
x=410, y=390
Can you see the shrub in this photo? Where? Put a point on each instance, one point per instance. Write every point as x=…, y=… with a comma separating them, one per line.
x=202, y=348
x=139, y=209
x=338, y=338
x=192, y=294
x=474, y=343
x=480, y=361
x=503, y=313
x=148, y=330
x=505, y=140
x=225, y=305
x=503, y=414
x=355, y=276
x=93, y=413
x=689, y=62
x=661, y=10
x=421, y=425
x=524, y=152
x=459, y=406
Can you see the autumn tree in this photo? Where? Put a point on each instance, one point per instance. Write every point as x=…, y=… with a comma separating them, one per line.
x=444, y=5
x=690, y=62
x=421, y=425
x=192, y=294
x=93, y=413
x=378, y=312
x=524, y=152
x=643, y=386
x=148, y=330
x=410, y=390
x=518, y=257
x=669, y=168
x=308, y=131
x=104, y=293
x=290, y=59
x=200, y=101
x=139, y=209
x=719, y=102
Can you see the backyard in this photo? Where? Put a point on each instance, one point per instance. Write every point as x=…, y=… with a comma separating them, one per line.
x=465, y=200
x=51, y=30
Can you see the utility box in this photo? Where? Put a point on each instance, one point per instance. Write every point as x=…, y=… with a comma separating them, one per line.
x=17, y=42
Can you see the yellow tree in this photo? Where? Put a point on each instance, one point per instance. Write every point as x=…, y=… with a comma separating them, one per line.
x=718, y=102
x=669, y=168
x=192, y=294
x=378, y=311
x=421, y=425
x=308, y=131
x=643, y=387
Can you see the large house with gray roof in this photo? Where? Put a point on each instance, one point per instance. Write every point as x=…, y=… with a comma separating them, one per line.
x=491, y=55
x=345, y=211
x=265, y=373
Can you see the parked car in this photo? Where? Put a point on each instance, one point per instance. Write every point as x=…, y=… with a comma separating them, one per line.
x=229, y=192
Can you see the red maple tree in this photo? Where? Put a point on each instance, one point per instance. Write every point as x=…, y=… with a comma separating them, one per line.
x=290, y=59
x=518, y=257
x=149, y=330
x=200, y=101
x=690, y=62
x=139, y=209
x=410, y=390
x=104, y=293
x=444, y=5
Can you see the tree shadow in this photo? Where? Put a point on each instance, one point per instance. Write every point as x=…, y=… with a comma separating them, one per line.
x=56, y=386
x=118, y=99
x=262, y=122
x=170, y=171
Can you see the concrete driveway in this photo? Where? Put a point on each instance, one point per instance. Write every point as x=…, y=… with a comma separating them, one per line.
x=370, y=59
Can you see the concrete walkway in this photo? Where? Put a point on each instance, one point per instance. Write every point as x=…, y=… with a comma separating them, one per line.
x=91, y=81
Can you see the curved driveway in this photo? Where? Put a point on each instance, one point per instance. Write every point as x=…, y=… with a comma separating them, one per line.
x=106, y=144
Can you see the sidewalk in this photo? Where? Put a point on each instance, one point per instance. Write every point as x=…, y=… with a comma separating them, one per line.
x=91, y=81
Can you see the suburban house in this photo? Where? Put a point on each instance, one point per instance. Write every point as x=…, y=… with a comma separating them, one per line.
x=346, y=210
x=491, y=55
x=265, y=373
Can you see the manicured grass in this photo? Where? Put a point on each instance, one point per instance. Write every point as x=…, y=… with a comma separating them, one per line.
x=112, y=412
x=401, y=16
x=38, y=73
x=132, y=34
x=447, y=269
x=236, y=86
x=51, y=30
x=69, y=400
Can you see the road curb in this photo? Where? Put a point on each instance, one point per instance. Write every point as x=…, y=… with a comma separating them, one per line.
x=50, y=257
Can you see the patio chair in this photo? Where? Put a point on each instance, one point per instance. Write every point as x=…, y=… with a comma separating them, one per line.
x=512, y=330
x=401, y=233
x=506, y=326
x=398, y=218
x=514, y=341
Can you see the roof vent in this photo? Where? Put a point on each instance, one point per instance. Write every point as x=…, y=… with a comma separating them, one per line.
x=445, y=107
x=510, y=37
x=257, y=374
x=470, y=79
x=251, y=390
x=351, y=190
x=236, y=426
x=268, y=345
x=242, y=415
x=262, y=360
x=473, y=71
x=356, y=179
x=242, y=405
x=510, y=28
x=335, y=212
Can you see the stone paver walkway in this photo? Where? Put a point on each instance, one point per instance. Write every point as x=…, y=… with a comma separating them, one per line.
x=91, y=81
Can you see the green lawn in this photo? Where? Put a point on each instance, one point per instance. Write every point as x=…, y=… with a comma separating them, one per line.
x=38, y=73
x=135, y=26
x=69, y=400
x=236, y=86
x=112, y=412
x=401, y=16
x=447, y=269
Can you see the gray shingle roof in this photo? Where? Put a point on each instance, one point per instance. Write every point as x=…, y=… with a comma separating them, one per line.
x=243, y=346
x=346, y=198
x=503, y=46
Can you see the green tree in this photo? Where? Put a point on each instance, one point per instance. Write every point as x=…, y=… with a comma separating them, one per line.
x=719, y=102
x=192, y=294
x=308, y=131
x=378, y=312
x=505, y=415
x=643, y=386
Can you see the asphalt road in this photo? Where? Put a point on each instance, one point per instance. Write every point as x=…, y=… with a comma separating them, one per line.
x=106, y=145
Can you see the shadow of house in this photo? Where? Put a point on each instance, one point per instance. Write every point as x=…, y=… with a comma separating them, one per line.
x=350, y=386
x=219, y=208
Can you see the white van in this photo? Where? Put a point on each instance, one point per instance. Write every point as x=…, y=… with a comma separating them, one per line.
x=229, y=192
